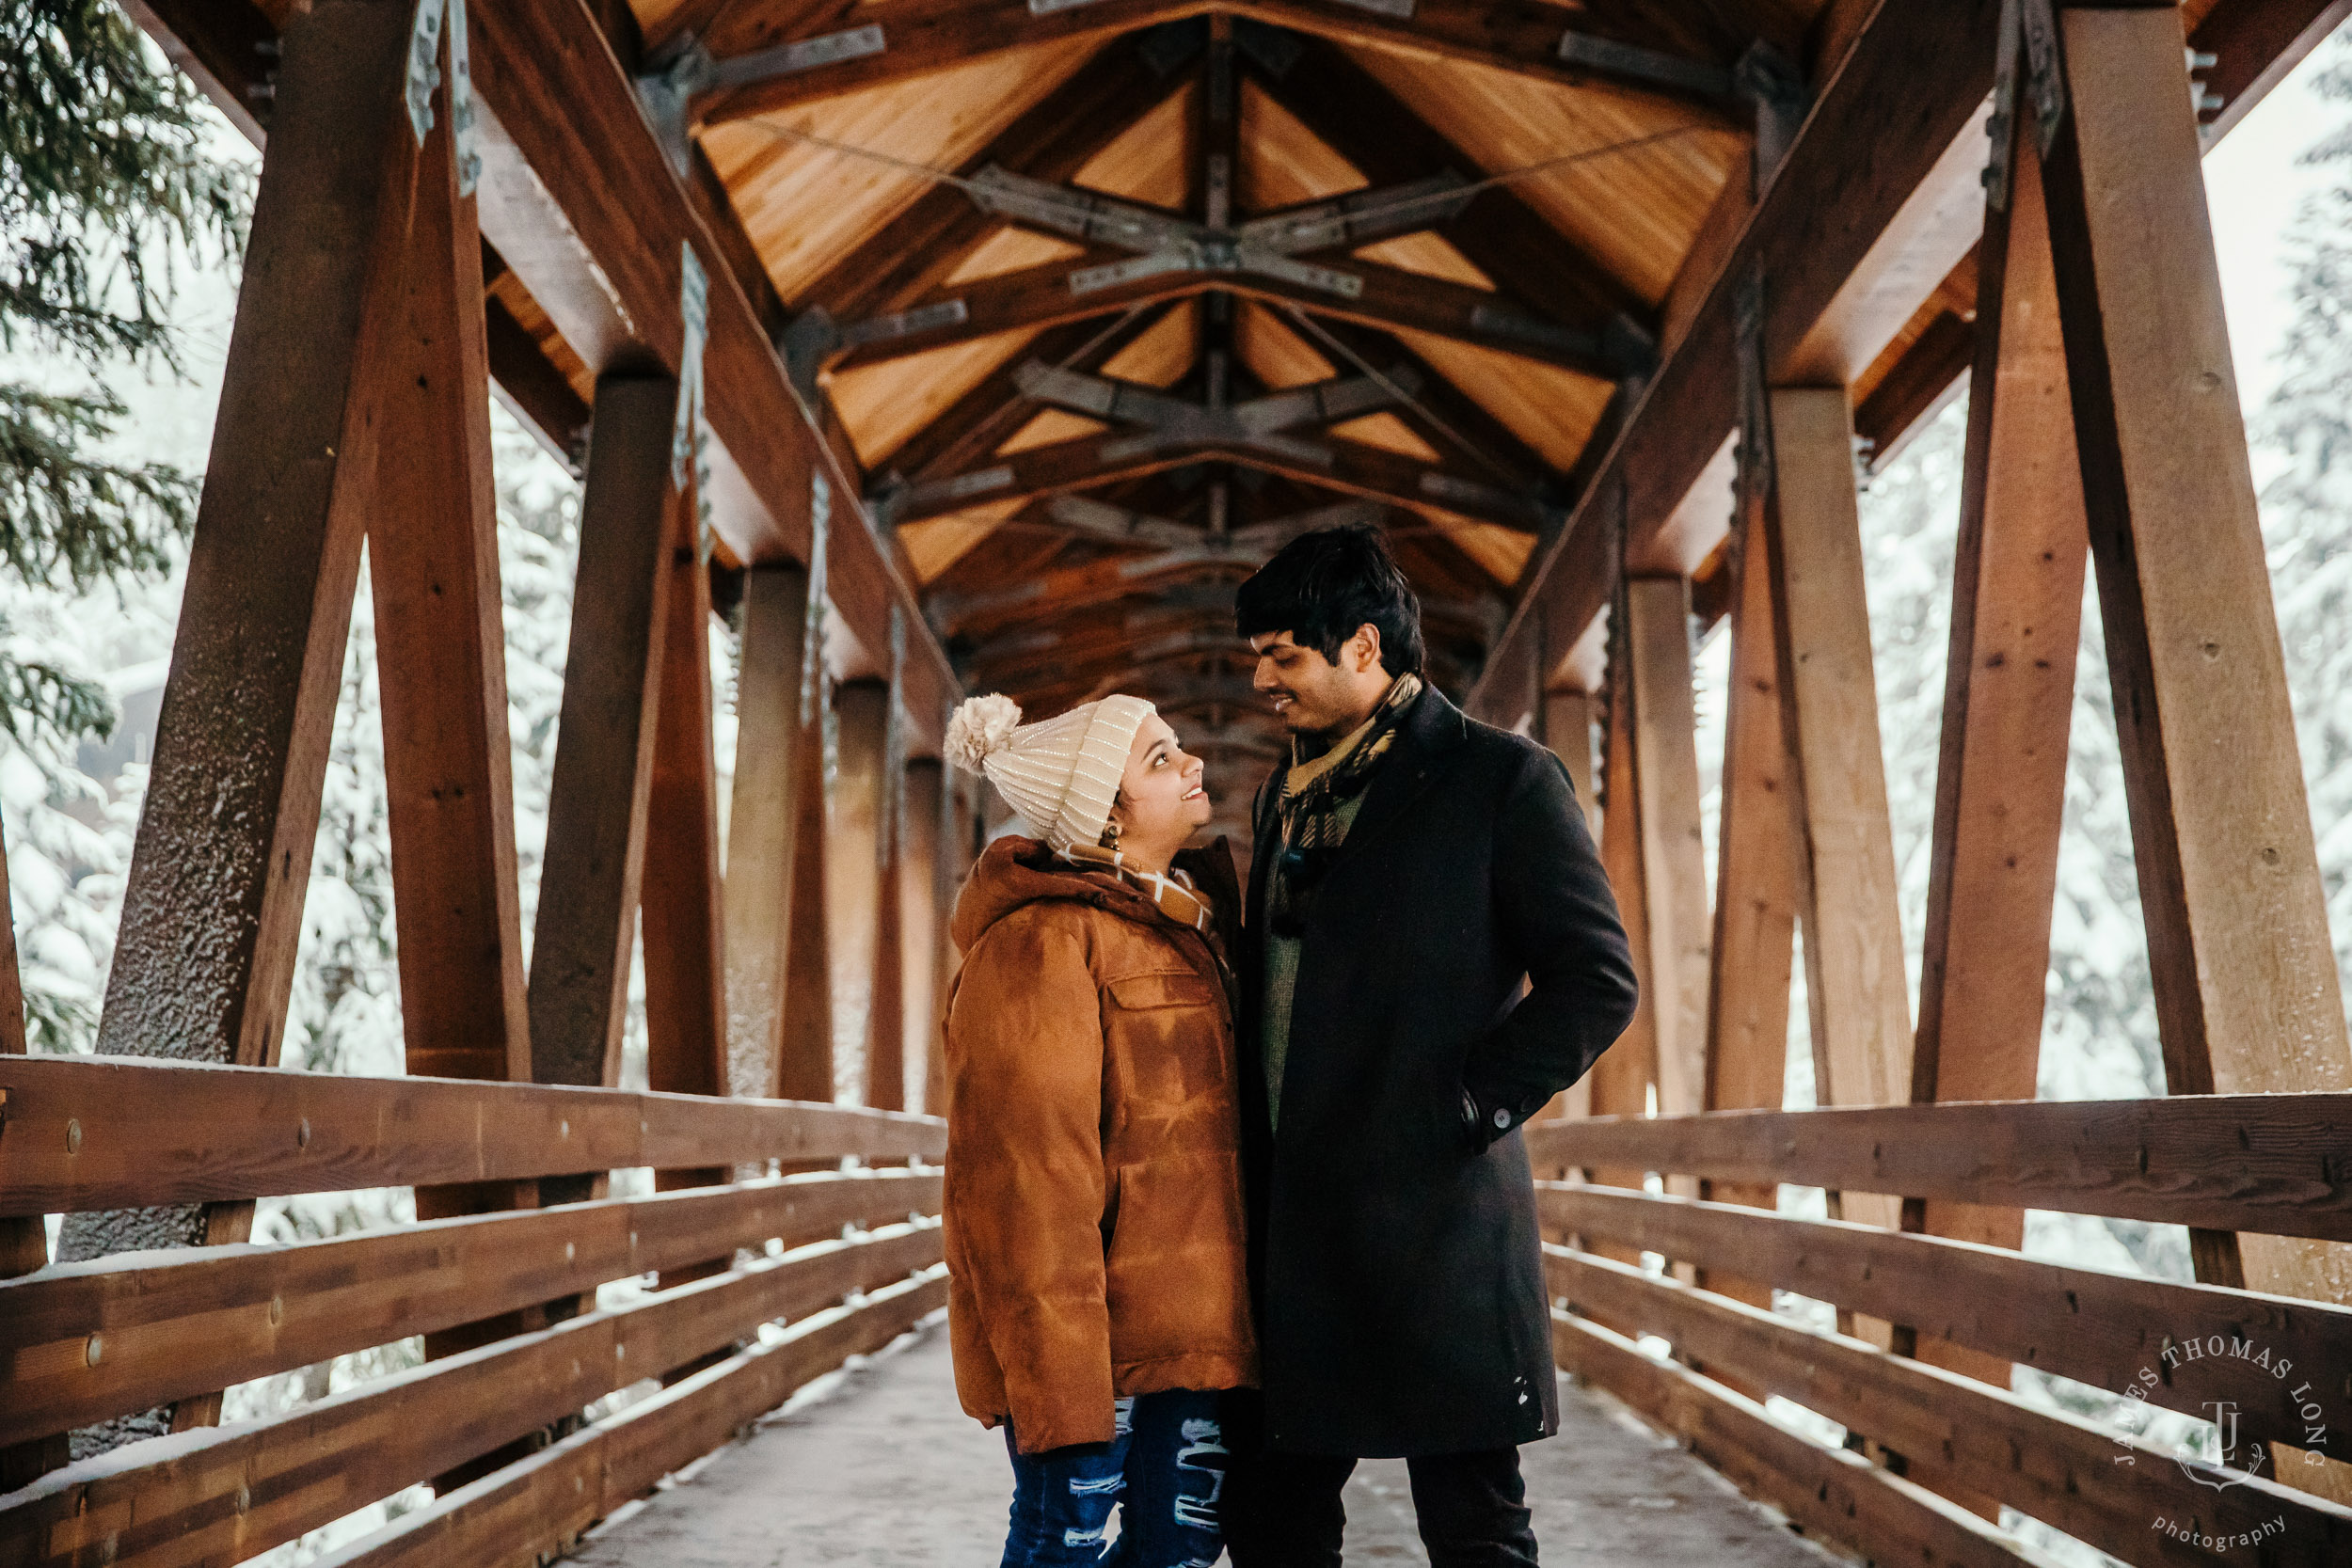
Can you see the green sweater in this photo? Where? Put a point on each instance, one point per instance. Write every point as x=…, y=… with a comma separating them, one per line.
x=1281, y=979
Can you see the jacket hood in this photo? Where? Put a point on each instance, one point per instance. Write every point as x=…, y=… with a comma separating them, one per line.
x=1015, y=872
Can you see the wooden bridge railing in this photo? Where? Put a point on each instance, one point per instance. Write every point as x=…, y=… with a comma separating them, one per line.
x=1951, y=1448
x=812, y=1268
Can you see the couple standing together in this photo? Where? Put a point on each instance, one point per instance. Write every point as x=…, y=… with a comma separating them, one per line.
x=1234, y=1190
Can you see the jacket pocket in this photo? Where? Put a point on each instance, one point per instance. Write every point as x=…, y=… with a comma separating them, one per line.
x=1163, y=988
x=1174, y=1276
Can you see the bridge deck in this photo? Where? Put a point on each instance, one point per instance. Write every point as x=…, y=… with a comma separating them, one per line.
x=887, y=1472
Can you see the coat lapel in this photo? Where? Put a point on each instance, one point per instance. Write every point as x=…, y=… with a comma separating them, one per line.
x=1433, y=730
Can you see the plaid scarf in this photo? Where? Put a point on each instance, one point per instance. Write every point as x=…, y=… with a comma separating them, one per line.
x=1172, y=893
x=1314, y=792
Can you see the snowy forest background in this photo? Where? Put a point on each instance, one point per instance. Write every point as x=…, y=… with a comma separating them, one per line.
x=70, y=795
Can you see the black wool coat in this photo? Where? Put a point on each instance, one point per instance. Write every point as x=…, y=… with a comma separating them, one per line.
x=1395, y=1255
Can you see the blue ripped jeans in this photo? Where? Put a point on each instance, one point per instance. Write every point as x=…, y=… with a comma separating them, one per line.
x=1163, y=1469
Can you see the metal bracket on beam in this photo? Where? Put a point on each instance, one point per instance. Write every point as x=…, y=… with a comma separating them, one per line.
x=790, y=59
x=1401, y=10
x=1632, y=62
x=1362, y=216
x=1771, y=80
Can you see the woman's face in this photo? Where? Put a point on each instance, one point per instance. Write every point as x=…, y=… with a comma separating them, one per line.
x=1161, y=797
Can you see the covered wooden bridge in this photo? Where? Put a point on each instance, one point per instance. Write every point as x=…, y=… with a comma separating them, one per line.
x=950, y=345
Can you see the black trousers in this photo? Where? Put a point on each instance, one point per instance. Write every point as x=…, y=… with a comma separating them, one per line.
x=1283, y=1509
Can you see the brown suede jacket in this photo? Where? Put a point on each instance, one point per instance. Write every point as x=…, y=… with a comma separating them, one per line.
x=1093, y=1207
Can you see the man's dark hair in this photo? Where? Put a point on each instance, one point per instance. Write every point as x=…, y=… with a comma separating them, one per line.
x=1321, y=586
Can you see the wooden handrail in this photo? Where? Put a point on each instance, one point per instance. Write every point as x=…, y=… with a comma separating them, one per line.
x=2088, y=1325
x=81, y=1342
x=1834, y=1493
x=530, y=1507
x=2274, y=1163
x=2063, y=1470
x=225, y=1494
x=82, y=1132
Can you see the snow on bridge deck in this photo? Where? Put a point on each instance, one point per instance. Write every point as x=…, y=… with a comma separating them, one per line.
x=884, y=1470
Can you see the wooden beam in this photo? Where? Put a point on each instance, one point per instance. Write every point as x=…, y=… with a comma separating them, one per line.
x=915, y=252
x=1665, y=747
x=24, y=1237
x=172, y=1323
x=2008, y=697
x=923, y=919
x=581, y=202
x=804, y=1069
x=1381, y=297
x=1755, y=896
x=1855, y=984
x=2262, y=1162
x=1328, y=462
x=540, y=1508
x=854, y=849
x=2093, y=1483
x=684, y=934
x=1503, y=235
x=1622, y=1079
x=402, y=1430
x=921, y=37
x=596, y=803
x=213, y=912
x=761, y=820
x=995, y=409
x=165, y=1132
x=2084, y=1324
x=1886, y=113
x=2246, y=990
x=1829, y=1492
x=885, y=1014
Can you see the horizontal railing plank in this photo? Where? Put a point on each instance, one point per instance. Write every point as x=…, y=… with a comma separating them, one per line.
x=222, y=1495
x=82, y=1343
x=1831, y=1493
x=2276, y=1163
x=2095, y=1485
x=531, y=1509
x=86, y=1133
x=2100, y=1328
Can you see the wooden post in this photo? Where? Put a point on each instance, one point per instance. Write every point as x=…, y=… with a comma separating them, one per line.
x=2246, y=985
x=1567, y=718
x=1621, y=1080
x=760, y=821
x=1674, y=871
x=921, y=918
x=2009, y=691
x=1756, y=902
x=1854, y=950
x=886, y=1013
x=853, y=892
x=630, y=517
x=804, y=1066
x=433, y=569
x=1563, y=718
x=204, y=961
x=24, y=1240
x=685, y=1031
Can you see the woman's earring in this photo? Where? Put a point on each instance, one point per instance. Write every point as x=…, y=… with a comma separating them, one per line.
x=1111, y=832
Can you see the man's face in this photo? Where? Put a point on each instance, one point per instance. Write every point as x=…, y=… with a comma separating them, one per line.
x=1312, y=694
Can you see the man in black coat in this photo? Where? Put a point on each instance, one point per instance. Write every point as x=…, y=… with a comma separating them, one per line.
x=1412, y=869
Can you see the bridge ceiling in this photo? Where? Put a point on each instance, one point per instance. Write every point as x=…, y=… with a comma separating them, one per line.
x=1082, y=440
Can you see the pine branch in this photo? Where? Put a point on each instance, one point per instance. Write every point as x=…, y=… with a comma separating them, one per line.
x=63, y=513
x=103, y=177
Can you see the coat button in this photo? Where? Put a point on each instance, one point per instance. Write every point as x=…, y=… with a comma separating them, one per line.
x=1502, y=1117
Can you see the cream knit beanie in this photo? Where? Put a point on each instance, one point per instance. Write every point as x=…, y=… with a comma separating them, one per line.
x=1062, y=773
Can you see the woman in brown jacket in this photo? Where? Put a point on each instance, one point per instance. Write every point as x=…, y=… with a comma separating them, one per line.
x=1097, y=1301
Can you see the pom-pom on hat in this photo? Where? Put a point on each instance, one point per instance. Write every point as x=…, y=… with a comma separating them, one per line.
x=1062, y=773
